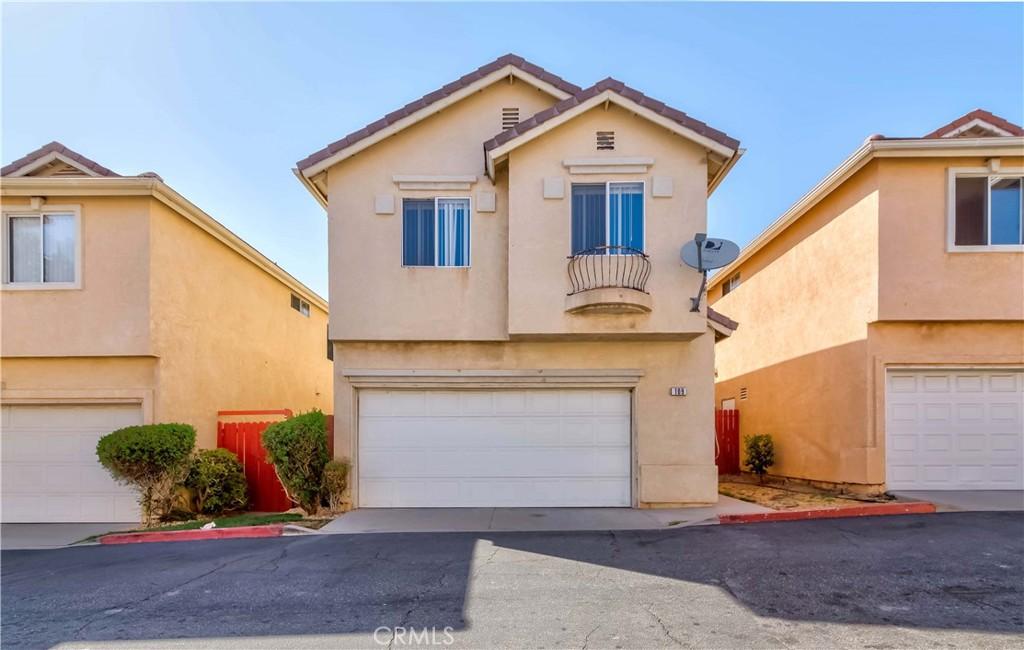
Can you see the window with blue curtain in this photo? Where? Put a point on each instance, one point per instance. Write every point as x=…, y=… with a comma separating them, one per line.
x=435, y=232
x=607, y=215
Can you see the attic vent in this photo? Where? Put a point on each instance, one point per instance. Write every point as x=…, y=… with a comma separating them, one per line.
x=509, y=117
x=743, y=393
x=605, y=140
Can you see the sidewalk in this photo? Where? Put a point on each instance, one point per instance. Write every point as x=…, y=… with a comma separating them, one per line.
x=437, y=520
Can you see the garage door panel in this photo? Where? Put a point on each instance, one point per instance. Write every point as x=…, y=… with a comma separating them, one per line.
x=50, y=472
x=500, y=447
x=955, y=430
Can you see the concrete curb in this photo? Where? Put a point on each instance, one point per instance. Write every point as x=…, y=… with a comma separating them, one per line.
x=241, y=532
x=872, y=510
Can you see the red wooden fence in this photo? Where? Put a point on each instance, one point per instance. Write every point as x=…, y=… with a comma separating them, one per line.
x=244, y=440
x=727, y=436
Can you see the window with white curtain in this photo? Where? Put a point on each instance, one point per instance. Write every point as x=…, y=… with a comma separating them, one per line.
x=435, y=232
x=41, y=248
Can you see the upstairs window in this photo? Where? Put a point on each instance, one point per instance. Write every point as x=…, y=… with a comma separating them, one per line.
x=435, y=232
x=300, y=305
x=607, y=217
x=41, y=249
x=987, y=210
x=730, y=284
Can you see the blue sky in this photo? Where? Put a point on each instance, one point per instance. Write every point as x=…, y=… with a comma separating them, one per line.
x=222, y=99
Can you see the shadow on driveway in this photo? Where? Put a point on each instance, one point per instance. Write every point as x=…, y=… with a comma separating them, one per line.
x=934, y=572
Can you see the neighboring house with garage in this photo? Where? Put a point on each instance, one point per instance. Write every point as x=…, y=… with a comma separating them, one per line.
x=511, y=243
x=123, y=303
x=882, y=338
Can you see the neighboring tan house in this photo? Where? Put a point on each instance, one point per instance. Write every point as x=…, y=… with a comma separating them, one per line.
x=882, y=344
x=505, y=251
x=123, y=303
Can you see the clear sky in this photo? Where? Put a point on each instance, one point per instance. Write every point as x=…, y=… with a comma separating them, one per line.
x=223, y=99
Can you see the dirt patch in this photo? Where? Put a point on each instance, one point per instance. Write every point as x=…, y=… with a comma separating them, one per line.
x=781, y=499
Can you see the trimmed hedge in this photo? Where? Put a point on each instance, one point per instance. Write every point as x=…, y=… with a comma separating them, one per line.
x=335, y=482
x=152, y=458
x=297, y=447
x=217, y=481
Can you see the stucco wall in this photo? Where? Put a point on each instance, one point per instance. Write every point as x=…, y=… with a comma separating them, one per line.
x=226, y=334
x=674, y=436
x=109, y=314
x=540, y=229
x=365, y=249
x=801, y=348
x=920, y=279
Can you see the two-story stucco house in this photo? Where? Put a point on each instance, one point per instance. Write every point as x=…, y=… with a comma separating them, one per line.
x=882, y=342
x=123, y=303
x=510, y=314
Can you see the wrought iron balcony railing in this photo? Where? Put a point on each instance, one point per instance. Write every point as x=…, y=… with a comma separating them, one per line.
x=602, y=267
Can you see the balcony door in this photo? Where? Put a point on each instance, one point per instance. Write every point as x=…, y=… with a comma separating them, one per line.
x=607, y=218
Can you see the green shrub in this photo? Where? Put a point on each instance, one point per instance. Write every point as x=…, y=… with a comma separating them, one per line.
x=760, y=454
x=335, y=482
x=153, y=459
x=297, y=447
x=217, y=482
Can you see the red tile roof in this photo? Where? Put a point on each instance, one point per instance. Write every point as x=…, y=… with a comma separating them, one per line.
x=629, y=93
x=56, y=147
x=977, y=114
x=440, y=93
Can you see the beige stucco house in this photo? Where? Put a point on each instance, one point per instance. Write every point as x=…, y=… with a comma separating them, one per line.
x=882, y=343
x=511, y=319
x=124, y=303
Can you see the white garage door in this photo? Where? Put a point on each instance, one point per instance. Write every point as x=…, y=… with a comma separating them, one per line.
x=955, y=430
x=50, y=471
x=477, y=448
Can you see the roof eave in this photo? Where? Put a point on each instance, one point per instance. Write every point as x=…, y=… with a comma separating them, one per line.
x=320, y=197
x=910, y=147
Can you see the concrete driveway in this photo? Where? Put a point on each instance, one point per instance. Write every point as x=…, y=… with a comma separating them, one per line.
x=441, y=520
x=951, y=580
x=36, y=536
x=969, y=500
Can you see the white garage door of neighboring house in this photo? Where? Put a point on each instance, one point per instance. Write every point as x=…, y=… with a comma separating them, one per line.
x=50, y=471
x=955, y=430
x=479, y=448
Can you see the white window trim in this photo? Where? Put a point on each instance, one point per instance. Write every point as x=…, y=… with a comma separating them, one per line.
x=469, y=235
x=7, y=285
x=951, y=175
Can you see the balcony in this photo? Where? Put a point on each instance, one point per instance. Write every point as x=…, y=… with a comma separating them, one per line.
x=608, y=280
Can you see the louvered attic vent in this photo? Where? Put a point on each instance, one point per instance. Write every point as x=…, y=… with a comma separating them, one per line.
x=743, y=393
x=605, y=140
x=509, y=117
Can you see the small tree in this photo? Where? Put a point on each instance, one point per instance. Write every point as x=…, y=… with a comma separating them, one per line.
x=335, y=482
x=297, y=447
x=151, y=458
x=217, y=481
x=760, y=454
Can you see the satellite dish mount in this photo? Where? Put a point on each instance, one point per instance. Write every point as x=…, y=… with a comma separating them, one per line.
x=705, y=253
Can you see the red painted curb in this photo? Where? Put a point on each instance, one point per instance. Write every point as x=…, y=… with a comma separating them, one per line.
x=272, y=530
x=875, y=509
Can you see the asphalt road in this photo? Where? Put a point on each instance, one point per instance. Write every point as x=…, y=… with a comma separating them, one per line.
x=951, y=580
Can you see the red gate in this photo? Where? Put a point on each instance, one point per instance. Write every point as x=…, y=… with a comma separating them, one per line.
x=243, y=440
x=727, y=437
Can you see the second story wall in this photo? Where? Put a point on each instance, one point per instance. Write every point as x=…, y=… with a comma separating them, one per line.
x=920, y=278
x=812, y=288
x=540, y=229
x=373, y=296
x=226, y=333
x=107, y=314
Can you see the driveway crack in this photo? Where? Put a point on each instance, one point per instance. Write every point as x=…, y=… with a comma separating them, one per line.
x=649, y=608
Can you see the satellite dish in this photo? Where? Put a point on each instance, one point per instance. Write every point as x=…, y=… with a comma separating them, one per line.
x=705, y=253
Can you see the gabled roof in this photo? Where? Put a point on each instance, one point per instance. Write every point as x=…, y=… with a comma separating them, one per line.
x=414, y=111
x=952, y=140
x=51, y=153
x=89, y=178
x=978, y=122
x=621, y=89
